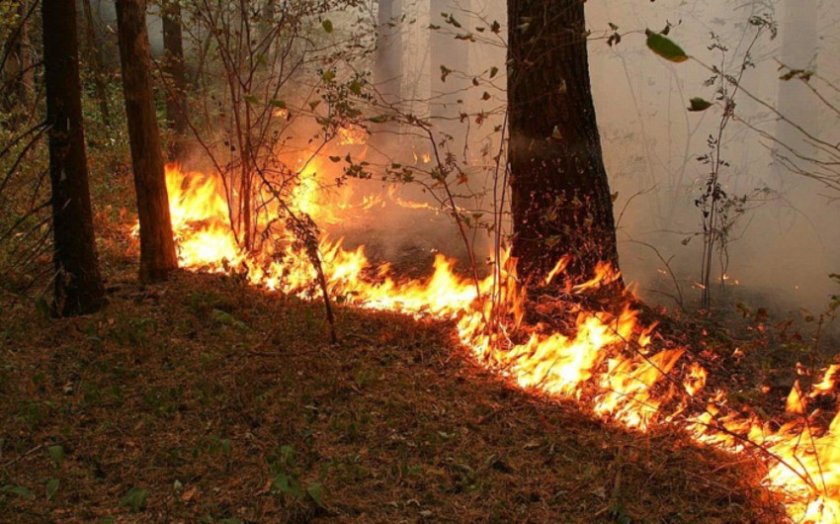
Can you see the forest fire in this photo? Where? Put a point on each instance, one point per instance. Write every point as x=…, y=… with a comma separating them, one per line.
x=608, y=365
x=488, y=179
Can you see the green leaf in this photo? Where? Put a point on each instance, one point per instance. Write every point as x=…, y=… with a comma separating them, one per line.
x=494, y=71
x=278, y=103
x=225, y=318
x=281, y=482
x=699, y=104
x=327, y=25
x=251, y=99
x=665, y=47
x=56, y=454
x=20, y=491
x=42, y=307
x=316, y=492
x=52, y=488
x=135, y=499
x=328, y=75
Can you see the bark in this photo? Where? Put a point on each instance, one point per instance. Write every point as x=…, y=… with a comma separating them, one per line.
x=560, y=196
x=78, y=284
x=174, y=69
x=157, y=246
x=95, y=61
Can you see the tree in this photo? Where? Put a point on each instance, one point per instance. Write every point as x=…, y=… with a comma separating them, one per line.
x=175, y=71
x=388, y=70
x=78, y=284
x=157, y=246
x=16, y=67
x=94, y=57
x=448, y=58
x=560, y=197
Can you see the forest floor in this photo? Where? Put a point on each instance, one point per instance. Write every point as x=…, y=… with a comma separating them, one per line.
x=204, y=400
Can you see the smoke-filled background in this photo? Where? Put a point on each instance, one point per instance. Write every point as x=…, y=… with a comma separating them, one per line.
x=444, y=61
x=786, y=241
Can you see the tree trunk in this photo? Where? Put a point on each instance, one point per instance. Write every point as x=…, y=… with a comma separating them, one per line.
x=447, y=52
x=388, y=70
x=560, y=197
x=78, y=284
x=800, y=44
x=95, y=62
x=18, y=70
x=157, y=247
x=174, y=69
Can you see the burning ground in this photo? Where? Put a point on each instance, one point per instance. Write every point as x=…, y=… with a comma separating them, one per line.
x=218, y=396
x=221, y=401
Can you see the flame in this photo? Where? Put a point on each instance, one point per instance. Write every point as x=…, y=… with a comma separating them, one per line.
x=350, y=135
x=606, y=362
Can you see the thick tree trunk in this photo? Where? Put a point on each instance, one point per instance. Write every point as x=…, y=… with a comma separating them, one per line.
x=95, y=63
x=560, y=197
x=78, y=284
x=174, y=69
x=157, y=247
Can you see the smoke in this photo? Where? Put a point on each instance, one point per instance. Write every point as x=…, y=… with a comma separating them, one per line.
x=782, y=243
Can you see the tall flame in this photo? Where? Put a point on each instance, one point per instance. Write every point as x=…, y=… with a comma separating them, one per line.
x=606, y=363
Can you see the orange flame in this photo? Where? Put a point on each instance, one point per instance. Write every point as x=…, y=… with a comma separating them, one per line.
x=607, y=364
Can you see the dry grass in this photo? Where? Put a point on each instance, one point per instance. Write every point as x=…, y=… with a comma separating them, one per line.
x=226, y=404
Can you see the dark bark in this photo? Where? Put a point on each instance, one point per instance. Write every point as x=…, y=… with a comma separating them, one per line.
x=157, y=246
x=176, y=76
x=560, y=196
x=95, y=63
x=78, y=284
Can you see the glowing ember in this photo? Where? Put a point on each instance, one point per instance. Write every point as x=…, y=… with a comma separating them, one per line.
x=607, y=364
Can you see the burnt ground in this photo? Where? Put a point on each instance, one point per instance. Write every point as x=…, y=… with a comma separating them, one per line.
x=202, y=400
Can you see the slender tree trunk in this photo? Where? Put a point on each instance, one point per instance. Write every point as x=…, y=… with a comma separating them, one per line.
x=78, y=284
x=157, y=247
x=388, y=70
x=561, y=200
x=17, y=70
x=95, y=63
x=800, y=42
x=27, y=72
x=175, y=71
x=450, y=53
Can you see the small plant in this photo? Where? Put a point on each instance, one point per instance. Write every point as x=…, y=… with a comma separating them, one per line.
x=286, y=484
x=135, y=499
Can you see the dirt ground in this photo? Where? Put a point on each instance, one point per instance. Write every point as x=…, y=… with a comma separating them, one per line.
x=202, y=400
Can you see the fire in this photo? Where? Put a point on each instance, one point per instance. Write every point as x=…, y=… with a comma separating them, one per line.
x=607, y=362
x=350, y=135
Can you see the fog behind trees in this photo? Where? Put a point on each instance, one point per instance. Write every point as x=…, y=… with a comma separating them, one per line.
x=780, y=249
x=786, y=242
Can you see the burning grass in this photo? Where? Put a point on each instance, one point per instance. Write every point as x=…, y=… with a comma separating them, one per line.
x=215, y=401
